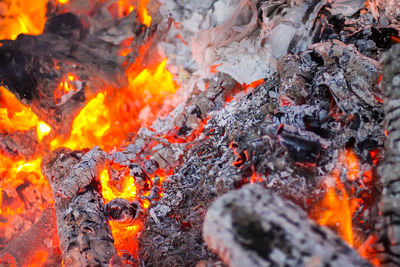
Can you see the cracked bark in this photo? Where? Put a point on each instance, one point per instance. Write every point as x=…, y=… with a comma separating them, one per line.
x=255, y=227
x=389, y=228
x=83, y=229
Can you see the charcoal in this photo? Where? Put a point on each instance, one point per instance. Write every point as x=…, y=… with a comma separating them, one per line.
x=151, y=166
x=293, y=84
x=121, y=210
x=369, y=40
x=360, y=73
x=67, y=25
x=14, y=144
x=302, y=146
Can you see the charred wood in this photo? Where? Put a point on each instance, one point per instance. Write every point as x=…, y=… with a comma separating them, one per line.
x=83, y=229
x=255, y=227
x=389, y=242
x=14, y=144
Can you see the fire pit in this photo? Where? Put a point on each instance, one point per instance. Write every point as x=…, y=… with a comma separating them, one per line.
x=199, y=133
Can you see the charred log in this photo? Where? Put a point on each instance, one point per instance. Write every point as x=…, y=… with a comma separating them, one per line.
x=83, y=229
x=389, y=246
x=255, y=227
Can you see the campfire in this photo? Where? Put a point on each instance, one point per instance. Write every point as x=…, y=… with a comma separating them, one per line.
x=199, y=133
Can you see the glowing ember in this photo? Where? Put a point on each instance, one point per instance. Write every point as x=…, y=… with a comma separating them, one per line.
x=18, y=173
x=22, y=16
x=67, y=86
x=42, y=130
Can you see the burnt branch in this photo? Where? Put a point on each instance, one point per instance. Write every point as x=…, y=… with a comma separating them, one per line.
x=389, y=242
x=255, y=227
x=83, y=229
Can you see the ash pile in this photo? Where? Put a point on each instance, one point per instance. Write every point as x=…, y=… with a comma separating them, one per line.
x=281, y=147
x=320, y=101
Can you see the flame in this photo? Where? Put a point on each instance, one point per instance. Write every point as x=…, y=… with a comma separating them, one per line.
x=22, y=16
x=125, y=7
x=124, y=235
x=107, y=119
x=337, y=213
x=144, y=16
x=67, y=85
x=14, y=116
x=337, y=208
x=109, y=192
x=42, y=130
x=62, y=2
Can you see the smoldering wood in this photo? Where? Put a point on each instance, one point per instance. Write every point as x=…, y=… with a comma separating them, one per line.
x=13, y=145
x=82, y=174
x=122, y=210
x=389, y=228
x=83, y=229
x=37, y=238
x=255, y=227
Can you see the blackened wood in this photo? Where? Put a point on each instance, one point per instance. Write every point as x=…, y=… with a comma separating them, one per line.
x=255, y=227
x=37, y=238
x=389, y=240
x=83, y=229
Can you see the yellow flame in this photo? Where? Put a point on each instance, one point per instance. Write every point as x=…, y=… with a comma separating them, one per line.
x=14, y=116
x=42, y=130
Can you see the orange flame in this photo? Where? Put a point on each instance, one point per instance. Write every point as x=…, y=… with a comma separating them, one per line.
x=107, y=119
x=144, y=16
x=14, y=116
x=22, y=16
x=68, y=84
x=337, y=208
x=124, y=235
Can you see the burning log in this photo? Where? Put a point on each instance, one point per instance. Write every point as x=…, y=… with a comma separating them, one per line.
x=37, y=238
x=254, y=227
x=389, y=242
x=83, y=229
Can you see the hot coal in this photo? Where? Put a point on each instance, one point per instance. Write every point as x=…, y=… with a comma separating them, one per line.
x=121, y=210
x=302, y=146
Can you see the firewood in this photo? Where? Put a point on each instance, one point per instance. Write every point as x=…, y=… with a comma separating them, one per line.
x=389, y=241
x=255, y=227
x=83, y=229
x=37, y=238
